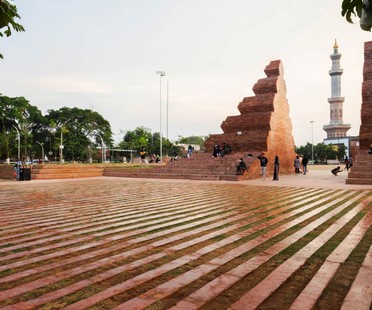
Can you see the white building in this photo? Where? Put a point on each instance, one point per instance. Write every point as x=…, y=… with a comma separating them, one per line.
x=336, y=129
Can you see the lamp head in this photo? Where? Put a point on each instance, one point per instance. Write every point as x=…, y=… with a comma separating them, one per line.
x=162, y=73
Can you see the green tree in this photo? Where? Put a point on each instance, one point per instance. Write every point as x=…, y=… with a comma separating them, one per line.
x=8, y=14
x=143, y=137
x=192, y=140
x=305, y=151
x=322, y=152
x=341, y=152
x=359, y=8
x=81, y=132
x=18, y=114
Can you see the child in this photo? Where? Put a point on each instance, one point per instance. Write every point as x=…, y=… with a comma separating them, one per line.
x=336, y=170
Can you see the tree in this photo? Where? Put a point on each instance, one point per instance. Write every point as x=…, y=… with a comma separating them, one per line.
x=360, y=8
x=81, y=130
x=322, y=152
x=8, y=14
x=18, y=114
x=199, y=140
x=143, y=137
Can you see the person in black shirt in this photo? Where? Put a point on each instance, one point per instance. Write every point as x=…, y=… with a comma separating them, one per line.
x=304, y=163
x=263, y=162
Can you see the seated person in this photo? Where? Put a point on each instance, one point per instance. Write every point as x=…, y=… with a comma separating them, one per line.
x=240, y=167
x=216, y=151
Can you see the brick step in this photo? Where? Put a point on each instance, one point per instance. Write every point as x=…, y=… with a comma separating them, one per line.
x=361, y=168
x=51, y=171
x=359, y=181
x=64, y=171
x=164, y=176
x=363, y=175
x=55, y=176
x=367, y=163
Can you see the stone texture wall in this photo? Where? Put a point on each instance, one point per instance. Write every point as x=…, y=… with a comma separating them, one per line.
x=264, y=124
x=361, y=172
x=365, y=132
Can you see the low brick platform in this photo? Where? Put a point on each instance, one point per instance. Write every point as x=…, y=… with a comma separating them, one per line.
x=200, y=166
x=66, y=171
x=112, y=243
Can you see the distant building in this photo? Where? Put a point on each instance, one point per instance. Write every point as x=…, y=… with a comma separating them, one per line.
x=336, y=129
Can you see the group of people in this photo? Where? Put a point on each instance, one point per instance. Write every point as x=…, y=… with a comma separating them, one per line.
x=348, y=164
x=241, y=166
x=153, y=158
x=297, y=165
x=220, y=151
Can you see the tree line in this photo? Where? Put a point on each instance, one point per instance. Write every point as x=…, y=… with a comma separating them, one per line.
x=82, y=133
x=321, y=152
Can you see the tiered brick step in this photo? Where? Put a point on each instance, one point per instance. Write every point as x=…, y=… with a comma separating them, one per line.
x=361, y=171
x=66, y=171
x=201, y=166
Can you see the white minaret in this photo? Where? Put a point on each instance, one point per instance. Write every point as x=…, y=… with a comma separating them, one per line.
x=336, y=127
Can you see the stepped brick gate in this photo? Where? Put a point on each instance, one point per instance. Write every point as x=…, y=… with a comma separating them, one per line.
x=264, y=124
x=361, y=172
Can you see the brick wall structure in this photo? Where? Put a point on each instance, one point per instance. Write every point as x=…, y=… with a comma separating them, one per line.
x=263, y=125
x=361, y=172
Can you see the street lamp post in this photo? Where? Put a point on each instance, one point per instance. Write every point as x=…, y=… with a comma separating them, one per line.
x=61, y=144
x=42, y=151
x=19, y=142
x=161, y=73
x=167, y=107
x=103, y=149
x=312, y=141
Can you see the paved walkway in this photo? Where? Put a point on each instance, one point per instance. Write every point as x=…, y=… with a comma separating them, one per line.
x=112, y=243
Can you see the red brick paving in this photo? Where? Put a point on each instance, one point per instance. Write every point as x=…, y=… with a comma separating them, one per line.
x=74, y=227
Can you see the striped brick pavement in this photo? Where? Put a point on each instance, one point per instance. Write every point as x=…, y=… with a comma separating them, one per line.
x=111, y=243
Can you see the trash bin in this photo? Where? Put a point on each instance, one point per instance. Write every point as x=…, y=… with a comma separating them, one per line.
x=27, y=174
x=24, y=174
x=21, y=174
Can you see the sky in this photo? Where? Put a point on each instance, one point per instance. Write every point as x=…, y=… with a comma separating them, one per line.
x=104, y=55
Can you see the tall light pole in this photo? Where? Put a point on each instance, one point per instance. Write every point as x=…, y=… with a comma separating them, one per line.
x=167, y=106
x=19, y=142
x=61, y=145
x=312, y=141
x=103, y=149
x=161, y=73
x=42, y=151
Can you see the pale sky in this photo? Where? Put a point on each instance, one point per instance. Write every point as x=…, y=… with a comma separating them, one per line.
x=103, y=55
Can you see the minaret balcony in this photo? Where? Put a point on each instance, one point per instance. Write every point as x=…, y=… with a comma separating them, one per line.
x=336, y=100
x=335, y=72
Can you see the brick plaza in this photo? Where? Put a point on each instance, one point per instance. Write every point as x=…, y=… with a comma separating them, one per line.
x=116, y=243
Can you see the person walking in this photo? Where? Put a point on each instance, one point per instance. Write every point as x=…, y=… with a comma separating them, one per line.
x=350, y=162
x=297, y=165
x=304, y=163
x=263, y=163
x=346, y=161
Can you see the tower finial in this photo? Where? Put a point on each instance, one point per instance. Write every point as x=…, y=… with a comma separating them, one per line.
x=336, y=45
